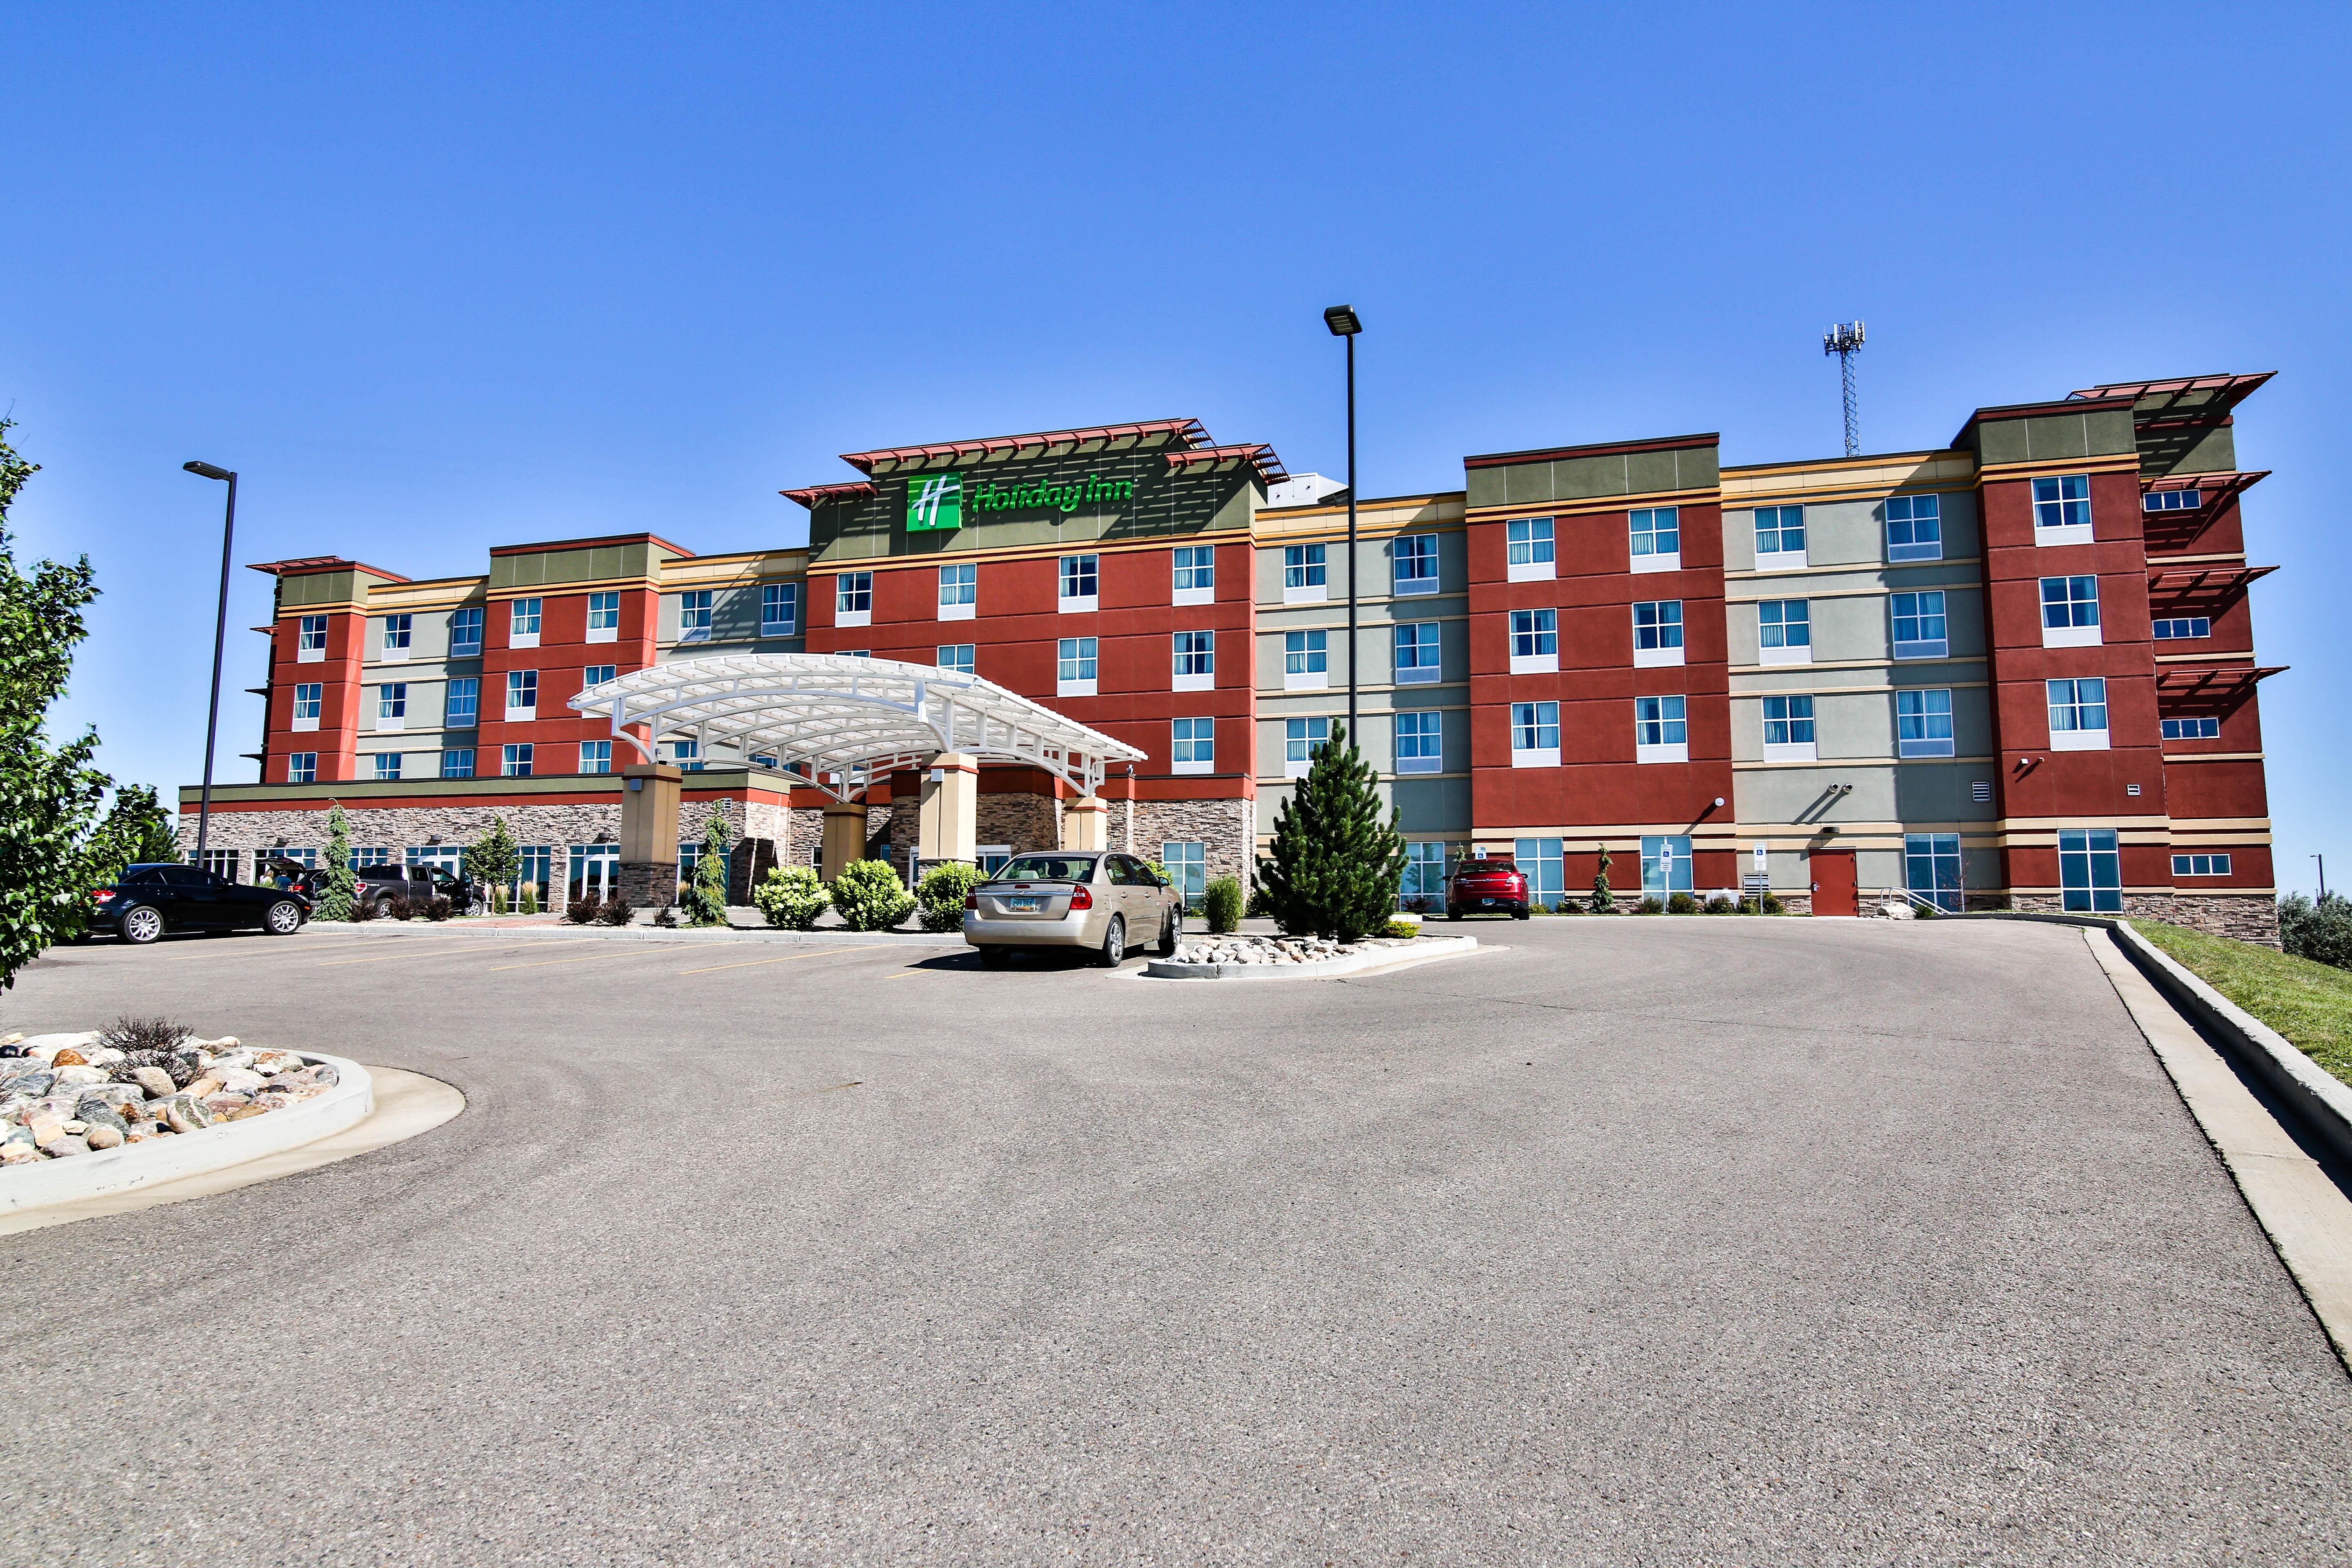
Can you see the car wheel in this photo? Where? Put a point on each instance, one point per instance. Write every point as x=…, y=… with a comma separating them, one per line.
x=141, y=925
x=284, y=919
x=1170, y=936
x=1455, y=915
x=1114, y=947
x=1518, y=914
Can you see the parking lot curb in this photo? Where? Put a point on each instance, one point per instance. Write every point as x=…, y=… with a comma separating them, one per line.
x=1423, y=949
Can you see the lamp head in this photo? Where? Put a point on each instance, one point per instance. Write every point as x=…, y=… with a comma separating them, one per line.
x=206, y=471
x=1341, y=319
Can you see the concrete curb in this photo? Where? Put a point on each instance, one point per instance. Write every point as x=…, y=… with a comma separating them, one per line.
x=1423, y=948
x=26, y=1189
x=385, y=931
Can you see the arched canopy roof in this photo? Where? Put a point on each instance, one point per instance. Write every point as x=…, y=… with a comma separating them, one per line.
x=845, y=716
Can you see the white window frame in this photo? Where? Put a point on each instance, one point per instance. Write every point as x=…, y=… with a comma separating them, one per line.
x=1534, y=723
x=311, y=640
x=465, y=716
x=1306, y=660
x=1667, y=634
x=516, y=759
x=1792, y=714
x=595, y=756
x=1407, y=554
x=2076, y=736
x=1672, y=716
x=1428, y=725
x=1416, y=673
x=523, y=683
x=314, y=702
x=1780, y=559
x=694, y=615
x=302, y=767
x=1915, y=548
x=2188, y=726
x=523, y=616
x=398, y=640
x=2214, y=865
x=1185, y=734
x=1531, y=550
x=1772, y=638
x=2182, y=628
x=1919, y=647
x=853, y=599
x=1926, y=743
x=1667, y=865
x=469, y=615
x=1192, y=574
x=959, y=591
x=1306, y=574
x=1195, y=656
x=2075, y=631
x=787, y=595
x=1076, y=664
x=597, y=674
x=1079, y=572
x=2069, y=515
x=1643, y=522
x=385, y=766
x=392, y=706
x=451, y=768
x=1535, y=642
x=1301, y=738
x=958, y=656
x=2089, y=846
x=604, y=616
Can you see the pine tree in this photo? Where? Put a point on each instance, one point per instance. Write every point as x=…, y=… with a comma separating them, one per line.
x=1603, y=902
x=338, y=888
x=705, y=899
x=1336, y=866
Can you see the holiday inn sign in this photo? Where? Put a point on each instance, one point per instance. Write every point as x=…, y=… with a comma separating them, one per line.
x=935, y=502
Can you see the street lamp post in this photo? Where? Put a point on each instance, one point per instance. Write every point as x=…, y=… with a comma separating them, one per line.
x=220, y=639
x=1341, y=319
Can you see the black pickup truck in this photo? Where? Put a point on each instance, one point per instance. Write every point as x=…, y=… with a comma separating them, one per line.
x=378, y=884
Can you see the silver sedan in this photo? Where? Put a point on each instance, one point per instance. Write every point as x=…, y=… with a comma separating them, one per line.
x=1101, y=902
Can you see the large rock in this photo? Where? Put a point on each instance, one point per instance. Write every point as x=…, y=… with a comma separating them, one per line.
x=158, y=1084
x=47, y=1045
x=35, y=1083
x=185, y=1113
x=63, y=1147
x=237, y=1080
x=46, y=1122
x=208, y=1084
x=93, y=1113
x=116, y=1095
x=101, y=1136
x=77, y=1075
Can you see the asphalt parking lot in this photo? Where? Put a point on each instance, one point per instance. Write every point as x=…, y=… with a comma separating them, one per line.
x=1662, y=1241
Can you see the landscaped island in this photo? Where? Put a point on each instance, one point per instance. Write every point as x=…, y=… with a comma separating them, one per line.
x=63, y=1095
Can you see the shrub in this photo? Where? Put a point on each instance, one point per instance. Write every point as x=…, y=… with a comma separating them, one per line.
x=1604, y=901
x=666, y=917
x=1259, y=907
x=1222, y=904
x=706, y=896
x=1568, y=907
x=870, y=897
x=439, y=908
x=1649, y=906
x=941, y=894
x=1337, y=859
x=613, y=911
x=1404, y=929
x=1772, y=905
x=396, y=908
x=365, y=909
x=528, y=904
x=792, y=897
x=1925, y=911
x=1722, y=904
x=2320, y=931
x=580, y=909
x=128, y=1034
x=498, y=900
x=1681, y=904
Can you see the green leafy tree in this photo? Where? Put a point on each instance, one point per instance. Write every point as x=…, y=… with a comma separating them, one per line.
x=706, y=896
x=493, y=857
x=135, y=831
x=339, y=888
x=942, y=892
x=1604, y=903
x=870, y=897
x=792, y=897
x=1336, y=866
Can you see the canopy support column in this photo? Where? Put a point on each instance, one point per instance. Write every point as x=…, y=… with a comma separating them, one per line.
x=947, y=826
x=1085, y=824
x=844, y=837
x=649, y=799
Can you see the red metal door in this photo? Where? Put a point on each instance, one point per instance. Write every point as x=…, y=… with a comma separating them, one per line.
x=1833, y=882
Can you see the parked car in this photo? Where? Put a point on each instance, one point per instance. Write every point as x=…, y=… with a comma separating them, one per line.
x=377, y=883
x=1097, y=903
x=149, y=900
x=1486, y=887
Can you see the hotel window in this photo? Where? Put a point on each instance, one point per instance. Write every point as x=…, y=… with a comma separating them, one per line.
x=392, y=705
x=385, y=766
x=2200, y=865
x=1196, y=660
x=1656, y=538
x=1923, y=723
x=1081, y=583
x=1188, y=869
x=1919, y=630
x=2090, y=871
x=1420, y=742
x=596, y=674
x=605, y=616
x=465, y=632
x=957, y=657
x=1931, y=868
x=1196, y=578
x=686, y=755
x=2062, y=510
x=1425, y=870
x=1075, y=674
x=959, y=591
x=694, y=615
x=307, y=697
x=522, y=693
x=1914, y=529
x=523, y=622
x=458, y=763
x=1658, y=633
x=1788, y=727
x=1535, y=734
x=302, y=767
x=1306, y=661
x=461, y=702
x=2070, y=611
x=853, y=599
x=780, y=609
x=1535, y=641
x=595, y=756
x=856, y=653
x=2206, y=729
x=1784, y=631
x=515, y=761
x=1414, y=565
x=1779, y=536
x=1661, y=730
x=2179, y=626
x=360, y=858
x=1529, y=557
x=2078, y=714
x=310, y=641
x=1417, y=657
x=221, y=863
x=2172, y=500
x=1665, y=864
x=1301, y=738
x=398, y=636
x=1303, y=581
x=1195, y=745
x=1540, y=862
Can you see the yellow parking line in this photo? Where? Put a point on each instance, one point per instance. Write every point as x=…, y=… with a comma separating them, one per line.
x=649, y=950
x=444, y=943
x=755, y=962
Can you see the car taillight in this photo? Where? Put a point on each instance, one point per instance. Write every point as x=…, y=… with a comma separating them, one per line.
x=1080, y=899
x=101, y=894
x=971, y=901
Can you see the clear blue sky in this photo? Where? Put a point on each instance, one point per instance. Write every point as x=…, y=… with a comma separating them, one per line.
x=438, y=277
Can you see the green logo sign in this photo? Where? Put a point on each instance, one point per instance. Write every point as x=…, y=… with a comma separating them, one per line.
x=1040, y=495
x=934, y=501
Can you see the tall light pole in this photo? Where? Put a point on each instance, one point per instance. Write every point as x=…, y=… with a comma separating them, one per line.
x=2323, y=873
x=1341, y=319
x=220, y=639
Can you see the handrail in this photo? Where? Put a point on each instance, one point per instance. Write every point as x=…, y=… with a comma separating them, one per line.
x=1917, y=901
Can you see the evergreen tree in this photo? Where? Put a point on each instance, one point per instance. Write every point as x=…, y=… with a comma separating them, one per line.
x=1336, y=866
x=706, y=899
x=494, y=859
x=338, y=888
x=1603, y=902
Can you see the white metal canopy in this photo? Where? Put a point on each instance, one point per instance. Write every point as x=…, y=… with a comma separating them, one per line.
x=845, y=719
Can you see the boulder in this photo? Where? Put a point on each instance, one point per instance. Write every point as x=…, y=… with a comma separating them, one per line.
x=68, y=1058
x=47, y=1045
x=238, y=1080
x=78, y=1074
x=185, y=1113
x=62, y=1148
x=116, y=1095
x=98, y=1113
x=158, y=1084
x=35, y=1083
x=19, y=1154
x=102, y=1055
x=46, y=1124
x=105, y=1137
x=199, y=1088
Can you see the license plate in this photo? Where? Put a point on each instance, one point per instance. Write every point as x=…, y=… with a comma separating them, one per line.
x=1017, y=903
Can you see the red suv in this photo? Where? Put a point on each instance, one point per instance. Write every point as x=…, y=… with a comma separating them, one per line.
x=1486, y=887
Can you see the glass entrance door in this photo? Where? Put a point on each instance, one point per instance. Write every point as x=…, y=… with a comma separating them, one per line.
x=595, y=871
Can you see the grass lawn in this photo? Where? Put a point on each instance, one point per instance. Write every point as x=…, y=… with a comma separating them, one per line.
x=2310, y=1004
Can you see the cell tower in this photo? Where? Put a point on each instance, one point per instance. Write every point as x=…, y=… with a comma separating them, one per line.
x=1845, y=340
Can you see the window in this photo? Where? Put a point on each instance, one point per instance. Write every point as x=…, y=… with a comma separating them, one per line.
x=780, y=609
x=595, y=756
x=853, y=599
x=596, y=674
x=1075, y=676
x=2173, y=500
x=523, y=622
x=694, y=615
x=2062, y=510
x=2070, y=611
x=1931, y=868
x=2179, y=626
x=2207, y=729
x=1529, y=555
x=1081, y=583
x=1923, y=723
x=360, y=858
x=1195, y=575
x=605, y=616
x=1417, y=658
x=1661, y=730
x=1540, y=862
x=2090, y=871
x=1421, y=742
x=1779, y=536
x=310, y=641
x=957, y=655
x=959, y=591
x=221, y=863
x=535, y=864
x=1535, y=641
x=383, y=765
x=1301, y=738
x=461, y=704
x=392, y=705
x=307, y=695
x=1196, y=660
x=1784, y=631
x=465, y=632
x=1188, y=869
x=1195, y=745
x=522, y=693
x=1658, y=633
x=856, y=653
x=398, y=636
x=302, y=767
x=1413, y=565
x=458, y=763
x=307, y=858
x=687, y=754
x=1665, y=865
x=1303, y=566
x=1656, y=535
x=2078, y=714
x=1425, y=870
x=515, y=762
x=1914, y=527
x=1535, y=734
x=1305, y=664
x=2200, y=865
x=1919, y=631
x=1789, y=729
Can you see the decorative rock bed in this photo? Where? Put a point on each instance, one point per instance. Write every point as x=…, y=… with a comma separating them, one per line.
x=1240, y=949
x=62, y=1096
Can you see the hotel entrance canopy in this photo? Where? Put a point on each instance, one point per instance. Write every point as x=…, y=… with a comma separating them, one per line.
x=842, y=719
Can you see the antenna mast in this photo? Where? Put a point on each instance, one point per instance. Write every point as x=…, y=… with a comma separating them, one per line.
x=1845, y=340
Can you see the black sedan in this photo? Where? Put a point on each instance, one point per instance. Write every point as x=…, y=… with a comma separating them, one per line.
x=147, y=900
